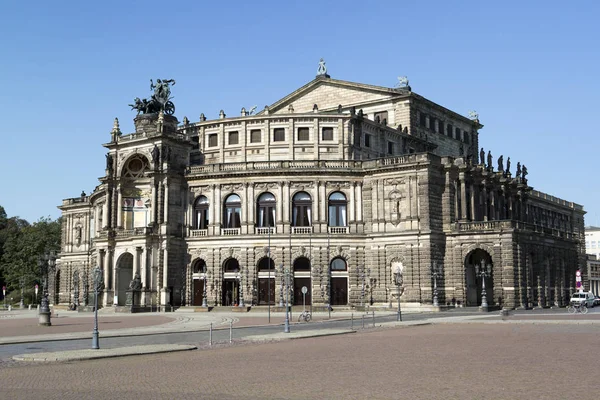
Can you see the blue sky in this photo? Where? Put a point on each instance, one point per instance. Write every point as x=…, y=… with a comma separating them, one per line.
x=68, y=68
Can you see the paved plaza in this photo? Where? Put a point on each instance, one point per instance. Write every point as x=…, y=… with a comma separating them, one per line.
x=439, y=361
x=480, y=356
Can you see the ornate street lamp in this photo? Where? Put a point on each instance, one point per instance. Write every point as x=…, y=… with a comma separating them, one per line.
x=281, y=272
x=45, y=263
x=484, y=272
x=204, y=301
x=22, y=284
x=98, y=285
x=286, y=273
x=435, y=273
x=398, y=281
x=241, y=287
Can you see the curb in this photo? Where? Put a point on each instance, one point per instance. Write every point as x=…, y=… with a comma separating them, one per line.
x=88, y=354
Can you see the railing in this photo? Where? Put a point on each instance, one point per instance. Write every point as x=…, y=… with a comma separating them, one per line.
x=302, y=230
x=133, y=232
x=483, y=226
x=230, y=231
x=198, y=232
x=265, y=231
x=337, y=230
x=270, y=165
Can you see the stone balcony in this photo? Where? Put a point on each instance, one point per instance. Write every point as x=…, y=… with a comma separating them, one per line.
x=507, y=225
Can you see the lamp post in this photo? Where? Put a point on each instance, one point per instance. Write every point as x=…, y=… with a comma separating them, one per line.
x=398, y=281
x=484, y=272
x=241, y=287
x=4, y=295
x=22, y=284
x=286, y=274
x=362, y=275
x=46, y=262
x=281, y=272
x=98, y=283
x=204, y=302
x=435, y=273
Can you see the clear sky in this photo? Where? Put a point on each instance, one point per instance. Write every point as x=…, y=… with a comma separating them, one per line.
x=68, y=68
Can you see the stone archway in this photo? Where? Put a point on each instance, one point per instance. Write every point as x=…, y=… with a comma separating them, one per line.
x=475, y=261
x=124, y=277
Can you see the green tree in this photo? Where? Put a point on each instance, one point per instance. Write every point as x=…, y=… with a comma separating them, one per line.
x=23, y=245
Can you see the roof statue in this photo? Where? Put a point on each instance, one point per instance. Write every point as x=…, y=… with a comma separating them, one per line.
x=252, y=110
x=159, y=101
x=322, y=71
x=474, y=115
x=402, y=82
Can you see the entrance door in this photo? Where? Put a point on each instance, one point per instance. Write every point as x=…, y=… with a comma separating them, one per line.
x=230, y=292
x=266, y=291
x=198, y=292
x=339, y=291
x=298, y=283
x=472, y=289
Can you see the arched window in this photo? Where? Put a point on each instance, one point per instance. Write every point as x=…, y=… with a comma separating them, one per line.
x=266, y=210
x=338, y=264
x=135, y=166
x=200, y=266
x=337, y=209
x=301, y=209
x=302, y=264
x=266, y=264
x=231, y=265
x=201, y=213
x=232, y=212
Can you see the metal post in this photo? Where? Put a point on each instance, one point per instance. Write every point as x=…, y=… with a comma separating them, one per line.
x=210, y=335
x=352, y=321
x=281, y=286
x=373, y=319
x=434, y=273
x=22, y=283
x=230, y=331
x=362, y=320
x=241, y=289
x=399, y=290
x=97, y=286
x=483, y=273
x=286, y=328
x=204, y=301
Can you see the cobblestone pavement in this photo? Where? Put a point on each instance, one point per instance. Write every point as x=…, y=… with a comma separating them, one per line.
x=28, y=324
x=450, y=361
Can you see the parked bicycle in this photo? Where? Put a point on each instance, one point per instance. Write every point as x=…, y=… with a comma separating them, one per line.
x=304, y=316
x=573, y=308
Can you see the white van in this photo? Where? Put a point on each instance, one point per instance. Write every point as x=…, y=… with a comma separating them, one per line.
x=583, y=297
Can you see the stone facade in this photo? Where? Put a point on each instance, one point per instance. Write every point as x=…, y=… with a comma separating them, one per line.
x=342, y=185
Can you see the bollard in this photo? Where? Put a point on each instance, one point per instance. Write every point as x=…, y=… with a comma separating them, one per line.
x=373, y=319
x=30, y=307
x=362, y=317
x=352, y=321
x=9, y=307
x=210, y=335
x=230, y=331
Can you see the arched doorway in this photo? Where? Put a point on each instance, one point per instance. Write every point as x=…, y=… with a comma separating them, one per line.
x=230, y=292
x=124, y=277
x=302, y=279
x=266, y=281
x=199, y=278
x=339, y=282
x=476, y=262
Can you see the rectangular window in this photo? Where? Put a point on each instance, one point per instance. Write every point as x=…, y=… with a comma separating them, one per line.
x=234, y=137
x=255, y=136
x=449, y=130
x=467, y=136
x=327, y=134
x=593, y=244
x=422, y=118
x=367, y=140
x=432, y=123
x=457, y=134
x=213, y=140
x=279, y=135
x=381, y=117
x=302, y=134
x=390, y=147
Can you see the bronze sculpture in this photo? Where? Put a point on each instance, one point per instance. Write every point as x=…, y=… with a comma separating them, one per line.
x=160, y=100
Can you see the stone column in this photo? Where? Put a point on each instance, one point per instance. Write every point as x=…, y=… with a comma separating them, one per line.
x=358, y=189
x=165, y=280
x=245, y=215
x=279, y=213
x=218, y=204
x=285, y=201
x=136, y=260
x=144, y=275
x=323, y=203
x=352, y=208
x=463, y=196
x=166, y=202
x=473, y=203
x=485, y=203
x=153, y=205
x=104, y=214
x=251, y=204
x=119, y=207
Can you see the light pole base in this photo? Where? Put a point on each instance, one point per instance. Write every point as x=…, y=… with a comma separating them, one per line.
x=95, y=341
x=44, y=319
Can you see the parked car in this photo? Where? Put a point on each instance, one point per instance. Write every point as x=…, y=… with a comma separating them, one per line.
x=584, y=297
x=597, y=301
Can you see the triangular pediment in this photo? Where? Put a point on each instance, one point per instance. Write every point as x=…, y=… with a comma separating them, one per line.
x=328, y=93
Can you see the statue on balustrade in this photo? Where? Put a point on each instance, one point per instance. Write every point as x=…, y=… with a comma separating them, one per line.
x=501, y=164
x=482, y=156
x=518, y=173
x=489, y=161
x=507, y=172
x=524, y=174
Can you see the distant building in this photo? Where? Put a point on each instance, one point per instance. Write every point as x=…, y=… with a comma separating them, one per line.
x=347, y=185
x=592, y=240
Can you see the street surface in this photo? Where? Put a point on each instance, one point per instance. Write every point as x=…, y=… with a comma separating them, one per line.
x=502, y=360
